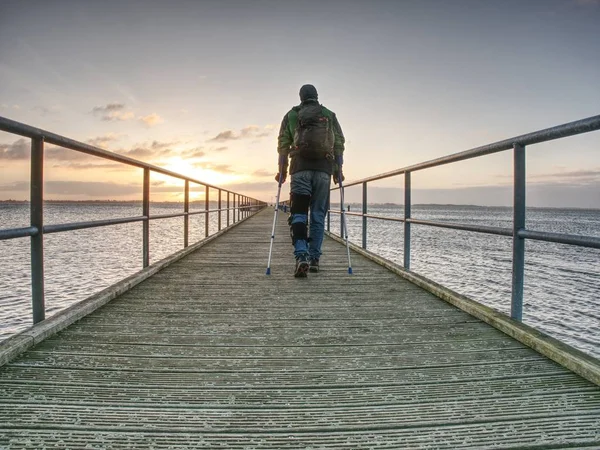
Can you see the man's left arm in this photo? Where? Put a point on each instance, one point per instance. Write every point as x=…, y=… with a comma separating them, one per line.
x=338, y=144
x=338, y=150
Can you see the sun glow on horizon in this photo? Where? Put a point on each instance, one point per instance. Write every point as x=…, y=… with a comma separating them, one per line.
x=189, y=169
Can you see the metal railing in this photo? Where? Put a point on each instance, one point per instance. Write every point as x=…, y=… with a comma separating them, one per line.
x=241, y=205
x=518, y=231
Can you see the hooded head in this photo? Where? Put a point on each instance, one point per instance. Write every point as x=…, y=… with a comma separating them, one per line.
x=307, y=92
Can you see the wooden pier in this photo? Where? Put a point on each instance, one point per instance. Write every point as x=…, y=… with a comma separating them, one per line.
x=211, y=353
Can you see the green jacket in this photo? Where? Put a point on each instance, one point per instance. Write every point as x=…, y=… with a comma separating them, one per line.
x=285, y=143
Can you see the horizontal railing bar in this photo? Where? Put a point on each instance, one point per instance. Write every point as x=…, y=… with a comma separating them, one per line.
x=21, y=129
x=204, y=211
x=370, y=216
x=13, y=233
x=465, y=227
x=548, y=134
x=92, y=224
x=454, y=226
x=167, y=216
x=572, y=239
x=393, y=219
x=191, y=213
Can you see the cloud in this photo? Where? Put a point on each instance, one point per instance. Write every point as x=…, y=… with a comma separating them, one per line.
x=17, y=186
x=47, y=111
x=103, y=141
x=248, y=132
x=253, y=131
x=220, y=149
x=112, y=111
x=111, y=107
x=157, y=145
x=221, y=168
x=193, y=153
x=224, y=136
x=21, y=148
x=587, y=2
x=112, y=167
x=18, y=150
x=105, y=190
x=580, y=176
x=141, y=152
x=98, y=190
x=262, y=173
x=151, y=119
x=260, y=187
x=149, y=150
x=64, y=154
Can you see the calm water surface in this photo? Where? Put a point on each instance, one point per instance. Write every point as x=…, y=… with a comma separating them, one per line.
x=562, y=283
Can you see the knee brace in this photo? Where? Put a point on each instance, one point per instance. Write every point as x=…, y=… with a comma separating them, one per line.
x=299, y=204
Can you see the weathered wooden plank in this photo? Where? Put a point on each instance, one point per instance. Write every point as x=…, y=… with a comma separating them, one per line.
x=274, y=420
x=576, y=432
x=281, y=396
x=55, y=347
x=523, y=370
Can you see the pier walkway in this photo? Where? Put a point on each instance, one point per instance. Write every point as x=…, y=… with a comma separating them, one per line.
x=210, y=352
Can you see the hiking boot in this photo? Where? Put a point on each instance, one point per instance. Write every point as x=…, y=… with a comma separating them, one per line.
x=301, y=267
x=314, y=265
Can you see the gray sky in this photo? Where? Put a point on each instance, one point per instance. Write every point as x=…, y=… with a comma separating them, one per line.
x=201, y=86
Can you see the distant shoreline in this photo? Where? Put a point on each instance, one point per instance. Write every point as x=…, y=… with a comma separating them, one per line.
x=352, y=205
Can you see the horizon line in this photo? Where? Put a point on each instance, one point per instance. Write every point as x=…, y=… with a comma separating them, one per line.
x=270, y=203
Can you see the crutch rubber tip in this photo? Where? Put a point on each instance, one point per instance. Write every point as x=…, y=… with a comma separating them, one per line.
x=268, y=271
x=350, y=270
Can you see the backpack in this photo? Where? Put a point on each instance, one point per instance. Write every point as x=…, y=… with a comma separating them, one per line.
x=313, y=137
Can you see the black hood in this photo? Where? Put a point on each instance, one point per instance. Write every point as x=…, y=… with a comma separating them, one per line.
x=308, y=91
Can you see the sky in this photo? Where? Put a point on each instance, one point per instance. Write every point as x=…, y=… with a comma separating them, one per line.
x=200, y=87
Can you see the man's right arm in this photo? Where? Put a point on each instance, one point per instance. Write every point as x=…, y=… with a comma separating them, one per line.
x=284, y=142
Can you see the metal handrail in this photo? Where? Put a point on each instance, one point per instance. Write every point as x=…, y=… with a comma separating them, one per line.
x=518, y=232
x=244, y=205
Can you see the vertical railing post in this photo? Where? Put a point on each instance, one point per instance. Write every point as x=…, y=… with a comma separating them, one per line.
x=233, y=211
x=206, y=194
x=406, y=222
x=146, y=222
x=364, y=218
x=36, y=214
x=518, y=269
x=238, y=207
x=329, y=211
x=219, y=220
x=341, y=221
x=186, y=218
x=228, y=208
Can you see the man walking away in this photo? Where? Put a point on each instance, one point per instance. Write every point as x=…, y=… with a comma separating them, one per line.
x=311, y=136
